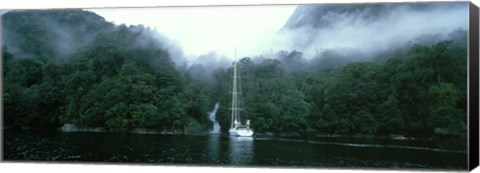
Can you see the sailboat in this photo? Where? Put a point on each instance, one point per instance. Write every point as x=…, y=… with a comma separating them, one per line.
x=237, y=128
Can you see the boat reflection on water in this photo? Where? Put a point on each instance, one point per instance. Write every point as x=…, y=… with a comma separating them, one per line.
x=241, y=150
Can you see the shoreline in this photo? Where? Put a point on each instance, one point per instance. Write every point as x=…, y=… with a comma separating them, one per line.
x=73, y=128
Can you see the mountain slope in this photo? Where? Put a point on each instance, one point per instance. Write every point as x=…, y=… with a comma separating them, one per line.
x=372, y=28
x=73, y=67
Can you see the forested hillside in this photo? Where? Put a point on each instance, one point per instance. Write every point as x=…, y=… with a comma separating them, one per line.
x=72, y=67
x=417, y=91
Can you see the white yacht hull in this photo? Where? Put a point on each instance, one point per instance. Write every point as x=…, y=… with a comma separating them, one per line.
x=241, y=132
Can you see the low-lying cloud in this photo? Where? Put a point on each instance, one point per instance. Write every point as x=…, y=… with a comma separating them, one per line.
x=369, y=30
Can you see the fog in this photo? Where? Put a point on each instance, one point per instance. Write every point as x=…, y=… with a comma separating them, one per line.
x=61, y=40
x=203, y=66
x=209, y=35
x=200, y=30
x=205, y=38
x=369, y=30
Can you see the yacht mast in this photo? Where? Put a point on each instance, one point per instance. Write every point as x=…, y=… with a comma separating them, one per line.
x=237, y=128
x=234, y=93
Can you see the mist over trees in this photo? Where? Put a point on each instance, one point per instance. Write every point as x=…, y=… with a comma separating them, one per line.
x=119, y=77
x=411, y=92
x=72, y=67
x=369, y=29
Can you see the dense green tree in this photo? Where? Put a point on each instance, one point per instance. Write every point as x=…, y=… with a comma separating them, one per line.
x=443, y=111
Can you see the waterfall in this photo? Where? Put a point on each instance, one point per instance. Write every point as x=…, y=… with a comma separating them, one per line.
x=211, y=116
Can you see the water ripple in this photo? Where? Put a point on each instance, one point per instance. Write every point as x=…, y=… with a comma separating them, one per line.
x=367, y=145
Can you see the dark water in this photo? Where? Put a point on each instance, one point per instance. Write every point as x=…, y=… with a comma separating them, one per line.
x=224, y=150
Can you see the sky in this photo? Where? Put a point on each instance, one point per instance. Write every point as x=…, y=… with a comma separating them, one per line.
x=200, y=30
